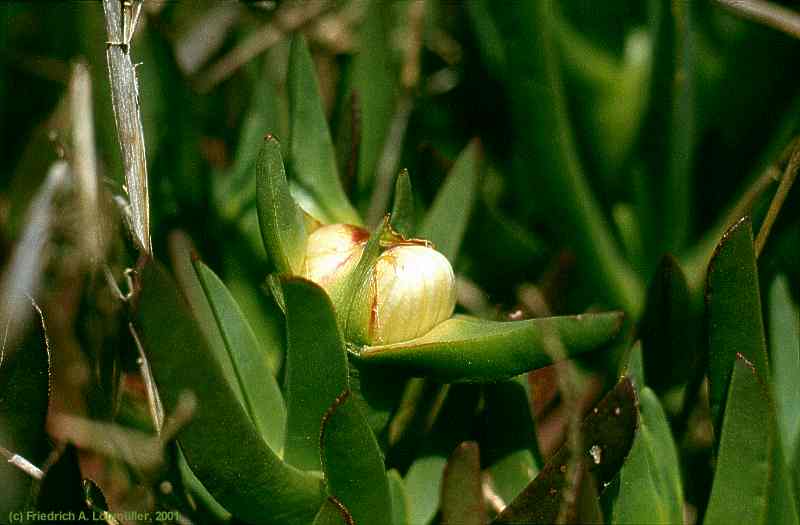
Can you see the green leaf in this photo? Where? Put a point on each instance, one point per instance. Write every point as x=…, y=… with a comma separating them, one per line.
x=316, y=368
x=397, y=490
x=376, y=81
x=332, y=513
x=446, y=221
x=733, y=313
x=667, y=134
x=607, y=436
x=311, y=153
x=282, y=222
x=667, y=329
x=262, y=396
x=650, y=488
x=784, y=341
x=204, y=500
x=266, y=318
x=24, y=398
x=423, y=481
x=750, y=483
x=353, y=464
x=462, y=495
x=403, y=207
x=467, y=349
x=544, y=144
x=182, y=362
x=235, y=192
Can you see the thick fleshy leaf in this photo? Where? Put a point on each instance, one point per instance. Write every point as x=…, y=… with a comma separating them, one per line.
x=447, y=219
x=733, y=313
x=316, y=368
x=462, y=495
x=468, y=349
x=283, y=226
x=403, y=207
x=24, y=399
x=332, y=513
x=784, y=344
x=423, y=481
x=649, y=486
x=353, y=464
x=667, y=327
x=750, y=443
x=182, y=362
x=203, y=499
x=397, y=490
x=311, y=153
x=262, y=396
x=607, y=435
x=544, y=144
x=181, y=255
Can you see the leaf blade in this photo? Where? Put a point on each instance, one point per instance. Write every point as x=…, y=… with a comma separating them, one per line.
x=462, y=349
x=313, y=159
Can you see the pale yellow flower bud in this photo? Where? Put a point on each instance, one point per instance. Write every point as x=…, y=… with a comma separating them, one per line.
x=332, y=252
x=410, y=290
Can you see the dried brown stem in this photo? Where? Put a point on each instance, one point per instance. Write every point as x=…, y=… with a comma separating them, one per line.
x=290, y=17
x=120, y=24
x=767, y=13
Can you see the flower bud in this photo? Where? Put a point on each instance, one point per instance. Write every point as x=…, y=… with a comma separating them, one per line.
x=410, y=290
x=332, y=252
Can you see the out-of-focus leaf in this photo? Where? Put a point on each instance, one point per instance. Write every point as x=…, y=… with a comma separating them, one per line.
x=649, y=486
x=609, y=93
x=22, y=276
x=512, y=473
x=607, y=436
x=468, y=349
x=733, y=313
x=666, y=328
x=423, y=481
x=397, y=490
x=311, y=153
x=667, y=135
x=544, y=145
x=784, y=344
x=283, y=226
x=353, y=464
x=24, y=400
x=447, y=219
x=490, y=40
x=263, y=400
x=509, y=423
x=750, y=443
x=403, y=207
x=235, y=190
x=181, y=361
x=462, y=495
x=316, y=369
x=376, y=80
